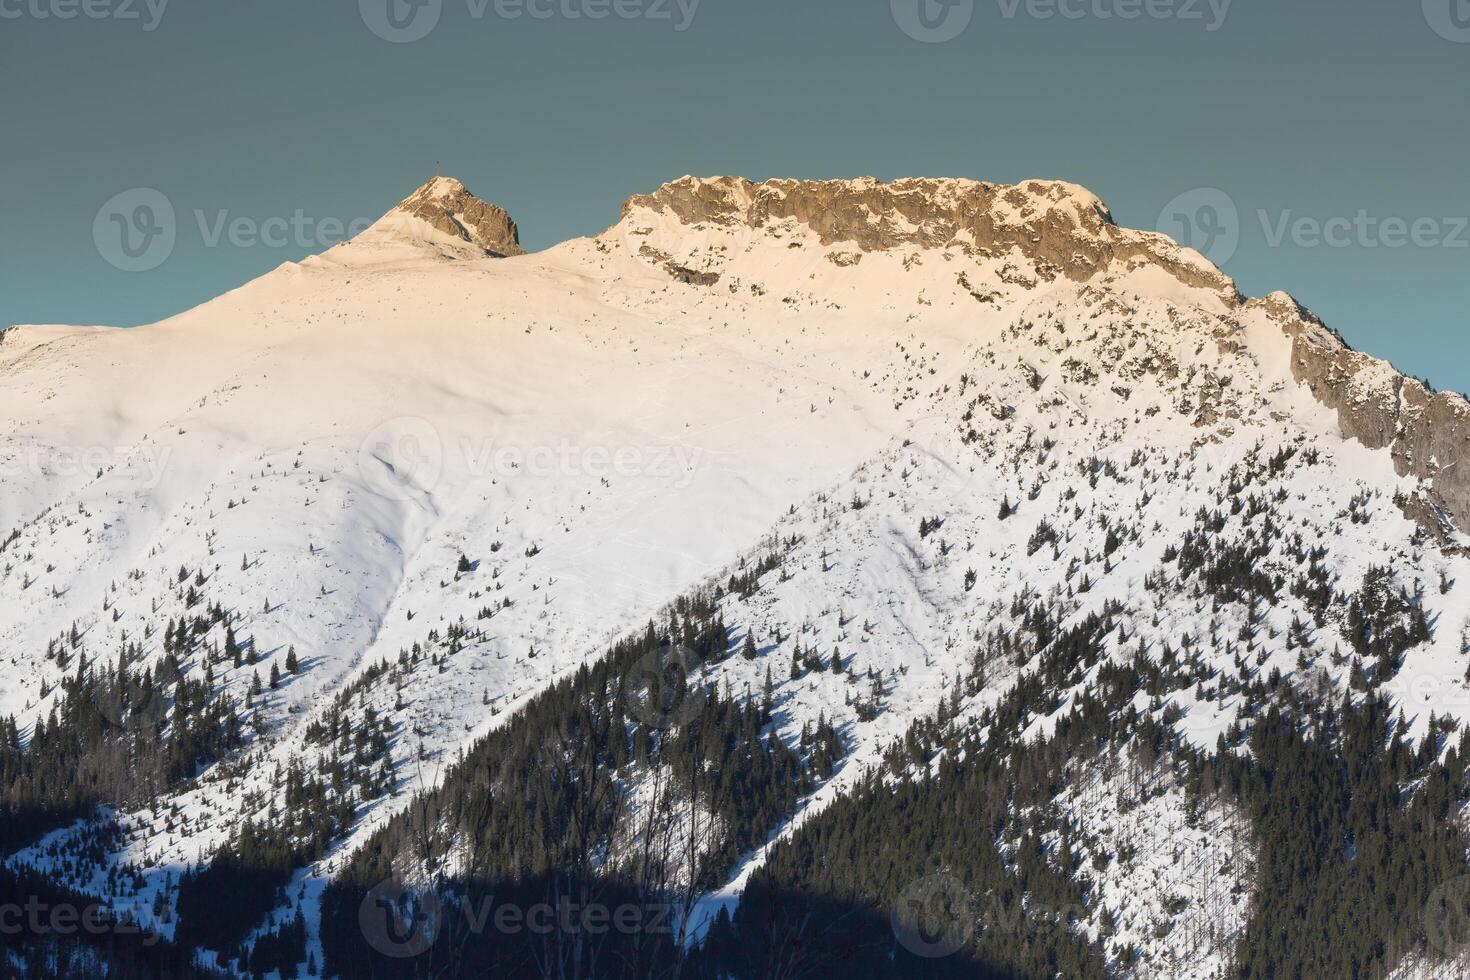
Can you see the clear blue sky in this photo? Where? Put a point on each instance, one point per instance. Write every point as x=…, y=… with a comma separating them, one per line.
x=268, y=108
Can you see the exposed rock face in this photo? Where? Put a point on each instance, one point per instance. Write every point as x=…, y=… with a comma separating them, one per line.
x=449, y=207
x=679, y=272
x=1428, y=433
x=1061, y=227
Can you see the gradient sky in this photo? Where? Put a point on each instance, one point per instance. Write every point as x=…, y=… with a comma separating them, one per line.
x=267, y=108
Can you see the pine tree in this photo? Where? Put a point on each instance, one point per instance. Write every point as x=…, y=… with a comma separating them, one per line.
x=748, y=651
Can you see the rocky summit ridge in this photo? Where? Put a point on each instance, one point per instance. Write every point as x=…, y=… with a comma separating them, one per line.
x=1064, y=230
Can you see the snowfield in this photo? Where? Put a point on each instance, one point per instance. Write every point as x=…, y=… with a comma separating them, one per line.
x=601, y=427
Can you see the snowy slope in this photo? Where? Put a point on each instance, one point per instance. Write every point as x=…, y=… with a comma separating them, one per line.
x=600, y=427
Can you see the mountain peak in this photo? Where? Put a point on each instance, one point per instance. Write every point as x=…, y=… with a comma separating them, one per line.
x=446, y=205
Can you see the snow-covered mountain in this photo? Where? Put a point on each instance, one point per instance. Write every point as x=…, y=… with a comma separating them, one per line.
x=903, y=421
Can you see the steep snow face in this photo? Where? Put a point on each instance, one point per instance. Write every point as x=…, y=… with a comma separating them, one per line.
x=601, y=426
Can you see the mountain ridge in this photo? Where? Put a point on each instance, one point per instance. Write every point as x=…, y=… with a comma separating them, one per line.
x=1057, y=228
x=889, y=476
x=1062, y=228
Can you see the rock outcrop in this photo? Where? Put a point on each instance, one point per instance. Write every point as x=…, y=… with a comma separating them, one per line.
x=1061, y=227
x=1427, y=432
x=446, y=205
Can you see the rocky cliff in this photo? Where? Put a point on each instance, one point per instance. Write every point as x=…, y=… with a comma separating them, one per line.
x=450, y=208
x=1427, y=432
x=1063, y=228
